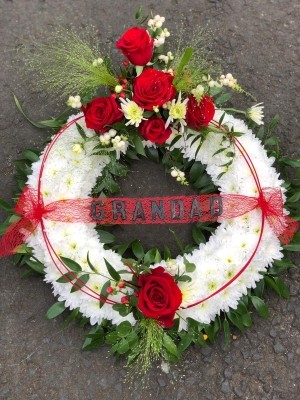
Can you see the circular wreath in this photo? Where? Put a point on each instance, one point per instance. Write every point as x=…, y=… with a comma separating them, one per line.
x=148, y=307
x=67, y=175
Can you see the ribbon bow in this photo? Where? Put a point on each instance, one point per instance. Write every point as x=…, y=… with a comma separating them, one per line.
x=31, y=209
x=271, y=204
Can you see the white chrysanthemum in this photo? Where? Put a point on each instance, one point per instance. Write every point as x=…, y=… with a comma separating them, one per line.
x=132, y=112
x=256, y=113
x=177, y=112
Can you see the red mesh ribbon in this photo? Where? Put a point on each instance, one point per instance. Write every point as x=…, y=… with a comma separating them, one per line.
x=149, y=210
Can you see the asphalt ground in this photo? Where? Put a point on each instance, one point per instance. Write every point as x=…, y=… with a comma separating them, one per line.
x=258, y=42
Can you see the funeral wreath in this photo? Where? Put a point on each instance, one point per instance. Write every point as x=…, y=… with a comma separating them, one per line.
x=151, y=304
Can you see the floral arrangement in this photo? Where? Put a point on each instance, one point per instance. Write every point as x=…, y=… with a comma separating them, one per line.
x=166, y=107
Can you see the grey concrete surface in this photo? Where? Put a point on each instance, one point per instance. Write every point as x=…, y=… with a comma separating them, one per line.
x=258, y=41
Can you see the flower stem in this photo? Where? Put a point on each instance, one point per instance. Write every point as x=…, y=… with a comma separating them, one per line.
x=234, y=110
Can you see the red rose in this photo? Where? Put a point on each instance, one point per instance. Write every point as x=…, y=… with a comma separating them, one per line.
x=199, y=114
x=159, y=296
x=153, y=129
x=153, y=88
x=100, y=112
x=137, y=45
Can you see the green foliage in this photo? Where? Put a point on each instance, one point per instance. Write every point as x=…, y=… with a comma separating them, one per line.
x=63, y=65
x=54, y=123
x=55, y=310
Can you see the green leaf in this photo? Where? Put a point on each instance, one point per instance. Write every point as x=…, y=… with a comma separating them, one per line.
x=152, y=154
x=170, y=345
x=150, y=257
x=189, y=267
x=55, y=310
x=112, y=338
x=284, y=290
x=273, y=123
x=167, y=253
x=177, y=240
x=106, y=237
x=138, y=145
x=137, y=249
x=131, y=154
x=104, y=293
x=51, y=123
x=185, y=341
x=295, y=197
x=219, y=151
x=184, y=59
x=122, y=309
x=260, y=306
x=37, y=266
x=118, y=169
x=280, y=266
x=124, y=329
x=5, y=205
x=184, y=278
x=292, y=247
x=71, y=264
x=132, y=339
x=94, y=338
x=81, y=131
x=290, y=163
x=112, y=272
x=259, y=289
x=80, y=283
x=174, y=141
x=148, y=114
x=226, y=329
x=244, y=313
x=235, y=319
x=121, y=248
x=122, y=347
x=196, y=171
x=93, y=268
x=261, y=132
x=223, y=98
x=198, y=235
x=209, y=330
x=30, y=155
x=157, y=257
x=222, y=118
x=73, y=315
x=36, y=124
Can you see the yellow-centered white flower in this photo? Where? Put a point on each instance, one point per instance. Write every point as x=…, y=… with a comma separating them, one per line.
x=256, y=113
x=132, y=112
x=177, y=112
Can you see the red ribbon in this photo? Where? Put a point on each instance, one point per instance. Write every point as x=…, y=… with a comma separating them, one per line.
x=31, y=208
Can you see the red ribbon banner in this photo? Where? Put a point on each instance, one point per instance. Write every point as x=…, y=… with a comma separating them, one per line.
x=148, y=210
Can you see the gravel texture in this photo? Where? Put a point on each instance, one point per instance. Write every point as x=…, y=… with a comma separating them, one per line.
x=257, y=41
